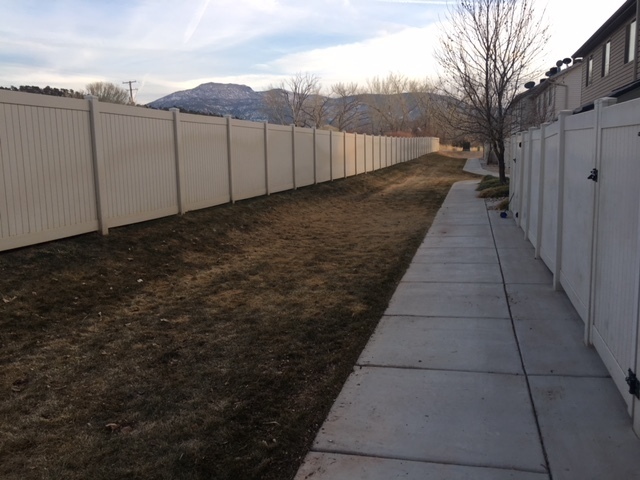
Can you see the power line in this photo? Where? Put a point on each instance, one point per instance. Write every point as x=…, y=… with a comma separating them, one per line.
x=131, y=89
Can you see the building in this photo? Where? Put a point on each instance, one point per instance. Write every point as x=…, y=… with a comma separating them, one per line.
x=610, y=65
x=560, y=90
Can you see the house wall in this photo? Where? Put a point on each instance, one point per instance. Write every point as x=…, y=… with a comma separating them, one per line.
x=71, y=166
x=568, y=97
x=620, y=74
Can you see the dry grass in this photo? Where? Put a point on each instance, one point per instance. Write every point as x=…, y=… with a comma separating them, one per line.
x=207, y=346
x=492, y=187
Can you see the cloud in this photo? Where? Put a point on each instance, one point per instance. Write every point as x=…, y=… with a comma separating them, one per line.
x=169, y=45
x=408, y=51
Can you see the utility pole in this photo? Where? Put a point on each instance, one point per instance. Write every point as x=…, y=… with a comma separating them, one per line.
x=131, y=82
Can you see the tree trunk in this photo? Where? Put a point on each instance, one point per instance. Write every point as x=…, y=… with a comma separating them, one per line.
x=501, y=166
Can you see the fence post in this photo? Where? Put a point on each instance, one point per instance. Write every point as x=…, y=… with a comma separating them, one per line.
x=364, y=143
x=344, y=156
x=331, y=155
x=355, y=160
x=293, y=153
x=98, y=163
x=529, y=171
x=315, y=157
x=230, y=157
x=520, y=171
x=599, y=105
x=562, y=117
x=385, y=151
x=543, y=158
x=397, y=150
x=177, y=135
x=266, y=157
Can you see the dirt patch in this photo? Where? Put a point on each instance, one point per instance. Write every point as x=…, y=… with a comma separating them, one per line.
x=203, y=346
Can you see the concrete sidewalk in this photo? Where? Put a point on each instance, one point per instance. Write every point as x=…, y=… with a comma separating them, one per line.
x=477, y=371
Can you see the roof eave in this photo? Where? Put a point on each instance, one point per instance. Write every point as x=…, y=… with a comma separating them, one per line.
x=607, y=28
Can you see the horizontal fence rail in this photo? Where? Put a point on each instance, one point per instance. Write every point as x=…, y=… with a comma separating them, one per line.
x=70, y=166
x=574, y=192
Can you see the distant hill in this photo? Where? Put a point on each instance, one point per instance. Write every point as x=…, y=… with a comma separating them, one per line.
x=239, y=101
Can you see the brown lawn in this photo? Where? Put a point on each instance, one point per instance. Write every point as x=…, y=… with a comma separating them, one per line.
x=206, y=346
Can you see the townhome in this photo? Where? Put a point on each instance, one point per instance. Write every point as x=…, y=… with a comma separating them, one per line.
x=540, y=103
x=610, y=65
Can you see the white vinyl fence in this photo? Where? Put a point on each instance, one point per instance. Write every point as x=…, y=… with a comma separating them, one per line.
x=576, y=192
x=71, y=166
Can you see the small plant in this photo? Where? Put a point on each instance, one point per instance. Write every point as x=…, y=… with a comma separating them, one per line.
x=503, y=205
x=495, y=192
x=491, y=187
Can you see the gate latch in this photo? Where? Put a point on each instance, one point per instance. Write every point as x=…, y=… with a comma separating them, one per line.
x=594, y=175
x=634, y=384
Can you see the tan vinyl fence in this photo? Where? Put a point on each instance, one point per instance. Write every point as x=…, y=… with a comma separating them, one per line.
x=576, y=192
x=70, y=166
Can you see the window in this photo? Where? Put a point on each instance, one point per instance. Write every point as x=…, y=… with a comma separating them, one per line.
x=630, y=43
x=589, y=71
x=606, y=57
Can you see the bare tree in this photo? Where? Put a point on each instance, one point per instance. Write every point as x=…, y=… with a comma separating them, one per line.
x=389, y=103
x=346, y=106
x=317, y=109
x=421, y=100
x=276, y=106
x=486, y=51
x=108, y=92
x=294, y=101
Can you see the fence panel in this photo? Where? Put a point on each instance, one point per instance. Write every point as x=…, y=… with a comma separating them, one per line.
x=368, y=153
x=247, y=159
x=578, y=212
x=360, y=153
x=534, y=186
x=280, y=158
x=139, y=163
x=617, y=261
x=46, y=171
x=350, y=154
x=305, y=174
x=377, y=152
x=323, y=156
x=516, y=175
x=550, y=197
x=205, y=161
x=338, y=162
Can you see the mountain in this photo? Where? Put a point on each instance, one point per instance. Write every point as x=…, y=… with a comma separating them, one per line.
x=239, y=101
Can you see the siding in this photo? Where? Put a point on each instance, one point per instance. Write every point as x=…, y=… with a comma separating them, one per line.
x=620, y=74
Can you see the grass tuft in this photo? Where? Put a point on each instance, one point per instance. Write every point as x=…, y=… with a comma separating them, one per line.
x=495, y=192
x=492, y=187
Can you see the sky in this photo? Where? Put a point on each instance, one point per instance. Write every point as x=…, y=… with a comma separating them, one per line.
x=171, y=45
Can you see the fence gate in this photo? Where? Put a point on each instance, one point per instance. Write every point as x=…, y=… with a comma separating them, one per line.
x=616, y=284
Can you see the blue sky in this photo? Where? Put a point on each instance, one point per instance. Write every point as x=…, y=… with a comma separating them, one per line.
x=169, y=45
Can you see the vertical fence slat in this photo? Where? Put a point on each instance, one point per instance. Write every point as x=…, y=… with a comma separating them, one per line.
x=98, y=163
x=562, y=120
x=540, y=207
x=230, y=158
x=177, y=134
x=266, y=158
